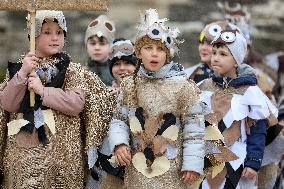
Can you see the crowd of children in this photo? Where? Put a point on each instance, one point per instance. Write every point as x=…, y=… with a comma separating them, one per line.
x=133, y=117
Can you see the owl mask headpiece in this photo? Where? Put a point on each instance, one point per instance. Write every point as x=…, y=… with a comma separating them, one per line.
x=212, y=30
x=101, y=27
x=121, y=48
x=153, y=27
x=235, y=42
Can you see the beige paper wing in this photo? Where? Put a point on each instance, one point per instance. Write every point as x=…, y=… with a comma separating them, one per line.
x=226, y=155
x=135, y=125
x=49, y=120
x=217, y=169
x=197, y=183
x=15, y=126
x=171, y=133
x=139, y=162
x=213, y=133
x=159, y=166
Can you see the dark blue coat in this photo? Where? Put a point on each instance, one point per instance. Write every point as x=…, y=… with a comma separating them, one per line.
x=257, y=137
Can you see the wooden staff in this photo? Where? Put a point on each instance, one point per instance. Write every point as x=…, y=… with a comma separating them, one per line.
x=32, y=5
x=32, y=49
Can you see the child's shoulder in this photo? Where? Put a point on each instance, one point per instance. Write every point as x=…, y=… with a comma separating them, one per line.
x=75, y=71
x=75, y=66
x=207, y=85
x=210, y=85
x=90, y=78
x=78, y=69
x=254, y=89
x=192, y=85
x=254, y=93
x=186, y=84
x=189, y=91
x=260, y=107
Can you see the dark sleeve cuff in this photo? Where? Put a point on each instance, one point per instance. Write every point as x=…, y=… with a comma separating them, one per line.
x=253, y=163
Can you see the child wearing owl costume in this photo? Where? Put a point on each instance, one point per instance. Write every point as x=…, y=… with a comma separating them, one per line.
x=45, y=146
x=203, y=70
x=157, y=130
x=122, y=63
x=237, y=125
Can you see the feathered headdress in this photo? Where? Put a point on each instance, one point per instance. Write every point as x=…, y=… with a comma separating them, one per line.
x=152, y=26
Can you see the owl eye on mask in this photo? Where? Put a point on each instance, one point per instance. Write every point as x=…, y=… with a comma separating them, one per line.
x=226, y=36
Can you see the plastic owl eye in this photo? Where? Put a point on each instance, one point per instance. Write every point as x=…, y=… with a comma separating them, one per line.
x=169, y=40
x=215, y=30
x=109, y=26
x=155, y=33
x=114, y=49
x=126, y=49
x=228, y=37
x=94, y=23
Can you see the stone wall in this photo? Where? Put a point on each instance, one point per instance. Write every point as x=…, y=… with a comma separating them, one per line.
x=189, y=15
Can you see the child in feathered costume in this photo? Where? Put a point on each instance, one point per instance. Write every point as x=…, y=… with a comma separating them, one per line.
x=158, y=128
x=44, y=146
x=239, y=112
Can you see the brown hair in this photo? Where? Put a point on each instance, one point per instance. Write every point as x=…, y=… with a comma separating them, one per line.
x=218, y=45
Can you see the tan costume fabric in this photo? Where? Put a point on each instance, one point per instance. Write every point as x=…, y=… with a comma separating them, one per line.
x=61, y=164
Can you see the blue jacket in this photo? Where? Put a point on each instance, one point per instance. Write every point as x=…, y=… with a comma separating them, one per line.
x=256, y=145
x=256, y=138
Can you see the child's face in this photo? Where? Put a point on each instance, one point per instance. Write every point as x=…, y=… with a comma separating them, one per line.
x=205, y=52
x=153, y=57
x=98, y=49
x=50, y=41
x=223, y=62
x=122, y=67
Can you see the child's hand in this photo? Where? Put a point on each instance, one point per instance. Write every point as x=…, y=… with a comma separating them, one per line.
x=35, y=84
x=190, y=176
x=29, y=63
x=122, y=155
x=249, y=173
